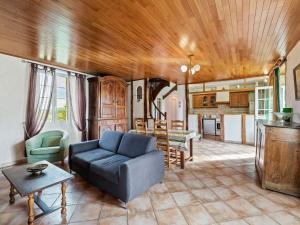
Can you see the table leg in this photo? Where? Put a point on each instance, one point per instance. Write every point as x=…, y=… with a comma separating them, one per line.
x=12, y=194
x=191, y=149
x=30, y=209
x=63, y=197
x=182, y=159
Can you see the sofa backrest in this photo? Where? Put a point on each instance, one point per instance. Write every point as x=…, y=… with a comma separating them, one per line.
x=110, y=140
x=134, y=145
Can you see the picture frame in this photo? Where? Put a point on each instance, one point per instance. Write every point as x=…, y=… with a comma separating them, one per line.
x=297, y=82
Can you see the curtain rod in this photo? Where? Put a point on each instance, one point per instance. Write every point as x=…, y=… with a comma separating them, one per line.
x=56, y=67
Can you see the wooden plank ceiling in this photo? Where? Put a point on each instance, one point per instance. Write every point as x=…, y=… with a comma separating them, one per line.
x=152, y=38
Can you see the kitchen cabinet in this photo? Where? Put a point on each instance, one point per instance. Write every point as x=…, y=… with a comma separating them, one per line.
x=239, y=99
x=277, y=157
x=107, y=105
x=222, y=97
x=204, y=100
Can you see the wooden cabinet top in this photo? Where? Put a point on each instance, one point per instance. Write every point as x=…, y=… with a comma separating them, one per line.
x=104, y=78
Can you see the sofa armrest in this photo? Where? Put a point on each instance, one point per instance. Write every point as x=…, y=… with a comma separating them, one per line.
x=33, y=143
x=82, y=147
x=140, y=173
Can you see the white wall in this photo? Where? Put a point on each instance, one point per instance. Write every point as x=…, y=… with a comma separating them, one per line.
x=14, y=79
x=293, y=59
x=13, y=94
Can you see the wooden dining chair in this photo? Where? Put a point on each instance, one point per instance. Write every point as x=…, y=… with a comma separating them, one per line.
x=141, y=127
x=177, y=125
x=162, y=139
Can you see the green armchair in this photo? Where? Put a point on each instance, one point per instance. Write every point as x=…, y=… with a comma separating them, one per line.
x=50, y=145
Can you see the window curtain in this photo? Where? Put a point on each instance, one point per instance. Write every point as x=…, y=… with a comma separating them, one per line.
x=77, y=103
x=274, y=81
x=40, y=91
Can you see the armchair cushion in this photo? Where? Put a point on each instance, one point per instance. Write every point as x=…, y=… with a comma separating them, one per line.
x=134, y=145
x=108, y=168
x=51, y=141
x=110, y=140
x=85, y=158
x=45, y=150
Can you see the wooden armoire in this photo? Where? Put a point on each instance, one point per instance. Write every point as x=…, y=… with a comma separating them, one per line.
x=107, y=105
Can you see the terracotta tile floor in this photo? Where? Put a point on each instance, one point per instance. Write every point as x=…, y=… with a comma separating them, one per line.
x=218, y=187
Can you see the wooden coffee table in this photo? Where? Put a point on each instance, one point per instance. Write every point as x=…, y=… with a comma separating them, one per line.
x=25, y=184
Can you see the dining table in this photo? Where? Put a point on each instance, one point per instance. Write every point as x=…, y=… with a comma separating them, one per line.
x=182, y=140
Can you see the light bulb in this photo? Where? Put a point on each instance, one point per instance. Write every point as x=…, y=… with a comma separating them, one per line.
x=193, y=71
x=197, y=67
x=183, y=68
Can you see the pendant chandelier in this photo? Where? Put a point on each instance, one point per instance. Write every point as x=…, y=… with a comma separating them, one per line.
x=192, y=69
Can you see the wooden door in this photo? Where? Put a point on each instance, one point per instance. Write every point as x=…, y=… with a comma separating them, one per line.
x=121, y=93
x=108, y=108
x=121, y=127
x=106, y=125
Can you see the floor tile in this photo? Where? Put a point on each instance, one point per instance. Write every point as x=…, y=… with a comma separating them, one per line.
x=196, y=215
x=162, y=201
x=184, y=198
x=110, y=210
x=220, y=211
x=205, y=195
x=117, y=220
x=224, y=193
x=284, y=218
x=146, y=218
x=264, y=204
x=139, y=204
x=175, y=186
x=170, y=216
x=88, y=211
x=260, y=220
x=243, y=208
x=234, y=222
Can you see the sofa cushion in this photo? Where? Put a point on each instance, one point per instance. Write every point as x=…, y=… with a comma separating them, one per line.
x=51, y=141
x=85, y=158
x=45, y=150
x=110, y=140
x=134, y=145
x=108, y=168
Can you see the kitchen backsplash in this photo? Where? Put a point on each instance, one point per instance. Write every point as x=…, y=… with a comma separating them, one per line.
x=222, y=109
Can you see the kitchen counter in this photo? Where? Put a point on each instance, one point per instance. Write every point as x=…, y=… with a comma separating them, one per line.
x=279, y=124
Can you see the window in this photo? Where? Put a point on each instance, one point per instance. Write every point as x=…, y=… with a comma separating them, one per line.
x=60, y=102
x=58, y=106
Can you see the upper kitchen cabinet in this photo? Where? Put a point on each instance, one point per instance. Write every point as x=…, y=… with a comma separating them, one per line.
x=222, y=97
x=204, y=100
x=239, y=99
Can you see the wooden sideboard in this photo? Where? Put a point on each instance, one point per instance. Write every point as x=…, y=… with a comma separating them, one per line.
x=278, y=157
x=107, y=105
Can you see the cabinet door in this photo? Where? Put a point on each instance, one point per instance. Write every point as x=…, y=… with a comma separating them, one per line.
x=121, y=127
x=104, y=126
x=108, y=108
x=121, y=93
x=197, y=101
x=234, y=99
x=244, y=99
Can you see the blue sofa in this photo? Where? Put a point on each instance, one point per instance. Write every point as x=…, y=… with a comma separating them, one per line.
x=122, y=164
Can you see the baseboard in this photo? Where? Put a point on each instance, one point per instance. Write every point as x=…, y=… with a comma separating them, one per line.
x=17, y=162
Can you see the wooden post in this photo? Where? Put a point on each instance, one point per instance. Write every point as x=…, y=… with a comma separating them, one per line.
x=243, y=128
x=12, y=194
x=187, y=105
x=30, y=209
x=145, y=100
x=63, y=198
x=131, y=104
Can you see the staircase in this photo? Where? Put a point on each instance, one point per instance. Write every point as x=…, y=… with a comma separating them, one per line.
x=155, y=86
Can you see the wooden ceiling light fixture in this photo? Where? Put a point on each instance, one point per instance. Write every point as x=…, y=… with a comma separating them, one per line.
x=192, y=69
